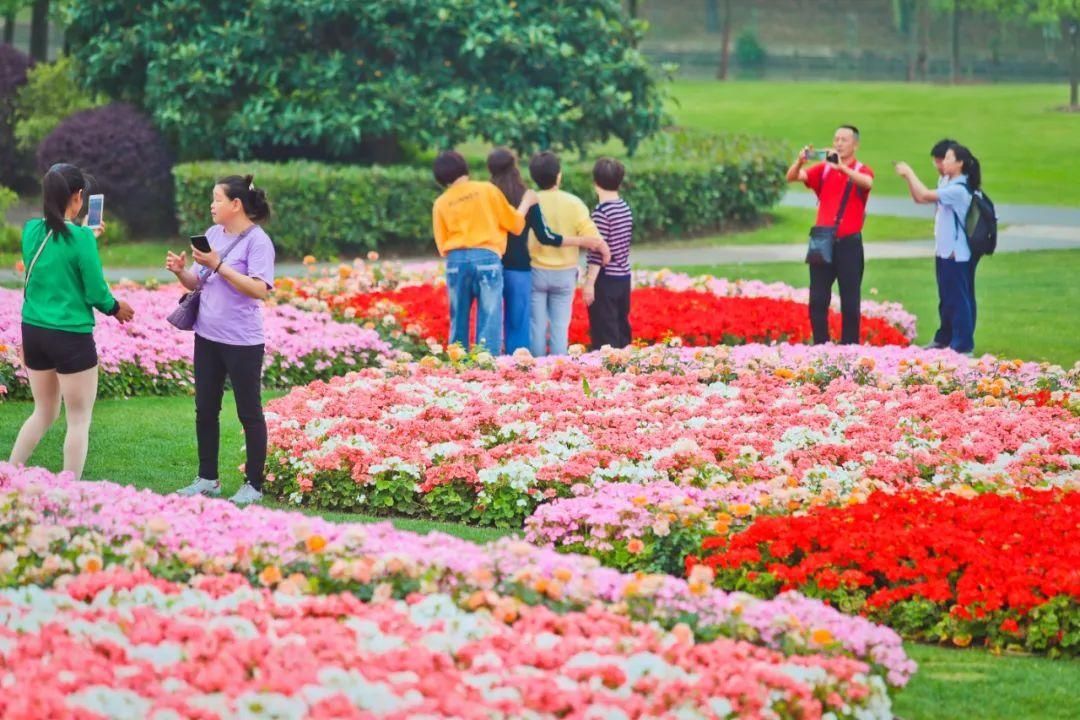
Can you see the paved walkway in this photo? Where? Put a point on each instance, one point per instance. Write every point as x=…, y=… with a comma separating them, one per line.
x=1029, y=228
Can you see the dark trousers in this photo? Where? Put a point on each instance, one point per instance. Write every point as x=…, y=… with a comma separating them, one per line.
x=609, y=315
x=943, y=336
x=955, y=306
x=846, y=270
x=242, y=365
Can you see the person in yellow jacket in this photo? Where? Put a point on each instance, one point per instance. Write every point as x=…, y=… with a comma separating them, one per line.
x=555, y=269
x=470, y=221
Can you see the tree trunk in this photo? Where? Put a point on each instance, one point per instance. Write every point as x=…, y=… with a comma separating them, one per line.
x=9, y=28
x=725, y=43
x=912, y=31
x=1070, y=27
x=39, y=31
x=922, y=62
x=632, y=8
x=956, y=42
x=712, y=16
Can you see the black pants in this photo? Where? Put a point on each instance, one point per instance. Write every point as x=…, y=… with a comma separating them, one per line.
x=242, y=364
x=943, y=336
x=609, y=315
x=846, y=270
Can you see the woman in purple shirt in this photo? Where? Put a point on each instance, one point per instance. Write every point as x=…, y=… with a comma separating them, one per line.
x=239, y=275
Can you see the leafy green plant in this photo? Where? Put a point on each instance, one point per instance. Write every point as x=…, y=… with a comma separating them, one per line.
x=749, y=52
x=50, y=95
x=352, y=80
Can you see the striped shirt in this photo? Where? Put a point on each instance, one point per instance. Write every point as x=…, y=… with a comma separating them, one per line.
x=616, y=225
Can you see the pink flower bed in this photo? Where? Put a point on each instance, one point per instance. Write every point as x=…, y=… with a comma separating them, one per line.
x=149, y=356
x=53, y=527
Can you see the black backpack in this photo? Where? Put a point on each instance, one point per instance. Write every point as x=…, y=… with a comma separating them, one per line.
x=980, y=227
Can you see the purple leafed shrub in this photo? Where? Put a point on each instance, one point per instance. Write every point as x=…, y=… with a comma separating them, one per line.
x=128, y=160
x=14, y=165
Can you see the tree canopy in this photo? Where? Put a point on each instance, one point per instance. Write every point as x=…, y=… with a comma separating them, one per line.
x=331, y=79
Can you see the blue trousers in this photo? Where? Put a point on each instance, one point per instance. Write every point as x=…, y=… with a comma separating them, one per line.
x=475, y=275
x=517, y=292
x=955, y=305
x=943, y=336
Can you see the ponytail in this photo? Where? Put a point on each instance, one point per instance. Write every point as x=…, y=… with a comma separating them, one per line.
x=58, y=186
x=256, y=205
x=969, y=165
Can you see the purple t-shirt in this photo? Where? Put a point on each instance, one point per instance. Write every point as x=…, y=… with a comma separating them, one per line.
x=226, y=315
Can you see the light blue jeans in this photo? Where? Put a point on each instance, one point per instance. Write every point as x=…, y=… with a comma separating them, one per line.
x=474, y=274
x=550, y=306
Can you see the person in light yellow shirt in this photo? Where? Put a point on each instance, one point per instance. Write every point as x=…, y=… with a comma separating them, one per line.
x=555, y=269
x=470, y=222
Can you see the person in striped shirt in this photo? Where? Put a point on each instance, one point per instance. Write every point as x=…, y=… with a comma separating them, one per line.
x=607, y=287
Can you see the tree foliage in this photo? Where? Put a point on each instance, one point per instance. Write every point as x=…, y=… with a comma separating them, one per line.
x=329, y=78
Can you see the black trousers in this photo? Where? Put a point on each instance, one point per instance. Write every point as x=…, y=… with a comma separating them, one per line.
x=242, y=365
x=609, y=315
x=846, y=270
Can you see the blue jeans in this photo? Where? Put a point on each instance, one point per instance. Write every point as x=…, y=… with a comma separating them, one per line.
x=517, y=289
x=551, y=303
x=473, y=274
x=955, y=306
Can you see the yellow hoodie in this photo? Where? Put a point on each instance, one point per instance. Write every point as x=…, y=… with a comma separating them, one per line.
x=565, y=214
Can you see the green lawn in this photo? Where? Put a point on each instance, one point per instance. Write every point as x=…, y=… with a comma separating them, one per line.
x=1028, y=302
x=150, y=253
x=150, y=442
x=790, y=225
x=1028, y=149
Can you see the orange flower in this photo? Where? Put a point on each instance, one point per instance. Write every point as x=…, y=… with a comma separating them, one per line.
x=315, y=543
x=309, y=259
x=821, y=636
x=961, y=640
x=90, y=563
x=635, y=546
x=640, y=500
x=270, y=575
x=563, y=575
x=741, y=510
x=783, y=373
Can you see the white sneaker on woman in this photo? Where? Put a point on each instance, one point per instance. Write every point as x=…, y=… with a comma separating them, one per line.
x=201, y=486
x=246, y=495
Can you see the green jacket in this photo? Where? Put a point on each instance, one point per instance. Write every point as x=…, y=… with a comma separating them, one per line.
x=67, y=282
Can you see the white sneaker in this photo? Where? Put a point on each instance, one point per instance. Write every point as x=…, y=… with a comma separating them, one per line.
x=246, y=495
x=201, y=486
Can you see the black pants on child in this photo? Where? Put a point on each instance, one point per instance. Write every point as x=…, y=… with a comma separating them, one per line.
x=609, y=315
x=242, y=364
x=846, y=270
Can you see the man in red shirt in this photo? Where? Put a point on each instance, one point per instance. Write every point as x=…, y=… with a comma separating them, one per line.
x=829, y=180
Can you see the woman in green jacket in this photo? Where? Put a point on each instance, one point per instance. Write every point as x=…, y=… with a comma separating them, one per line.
x=64, y=284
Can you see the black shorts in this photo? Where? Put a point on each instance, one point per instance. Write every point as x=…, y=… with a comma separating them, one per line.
x=59, y=350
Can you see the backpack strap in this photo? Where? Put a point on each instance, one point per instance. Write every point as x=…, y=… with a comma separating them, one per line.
x=26, y=281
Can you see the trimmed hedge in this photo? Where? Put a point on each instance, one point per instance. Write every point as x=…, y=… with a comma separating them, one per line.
x=681, y=185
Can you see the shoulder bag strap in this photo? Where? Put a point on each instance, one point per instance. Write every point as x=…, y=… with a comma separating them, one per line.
x=204, y=277
x=843, y=204
x=26, y=282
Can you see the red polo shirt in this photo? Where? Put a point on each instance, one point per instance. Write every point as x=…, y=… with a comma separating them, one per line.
x=829, y=188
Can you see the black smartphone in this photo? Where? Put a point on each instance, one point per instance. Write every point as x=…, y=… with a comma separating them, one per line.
x=200, y=243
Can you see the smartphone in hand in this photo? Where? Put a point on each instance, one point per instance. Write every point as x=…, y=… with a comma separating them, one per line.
x=200, y=243
x=96, y=210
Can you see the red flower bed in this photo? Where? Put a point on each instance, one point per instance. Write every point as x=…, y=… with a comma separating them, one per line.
x=699, y=318
x=996, y=568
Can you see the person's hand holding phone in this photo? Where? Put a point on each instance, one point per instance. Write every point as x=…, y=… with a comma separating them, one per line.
x=807, y=154
x=209, y=260
x=98, y=230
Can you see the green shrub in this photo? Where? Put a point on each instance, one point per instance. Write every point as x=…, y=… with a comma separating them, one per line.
x=10, y=237
x=49, y=96
x=749, y=52
x=680, y=184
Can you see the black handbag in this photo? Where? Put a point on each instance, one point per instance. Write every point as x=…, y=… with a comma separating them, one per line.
x=819, y=250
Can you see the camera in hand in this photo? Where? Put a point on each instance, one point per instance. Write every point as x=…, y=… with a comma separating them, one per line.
x=832, y=157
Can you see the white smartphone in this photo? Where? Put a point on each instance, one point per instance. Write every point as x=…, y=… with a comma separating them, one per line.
x=96, y=209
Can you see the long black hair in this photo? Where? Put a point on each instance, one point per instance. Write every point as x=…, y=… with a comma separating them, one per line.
x=58, y=186
x=969, y=165
x=256, y=205
x=505, y=174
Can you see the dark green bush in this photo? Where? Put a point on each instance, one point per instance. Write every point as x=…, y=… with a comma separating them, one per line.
x=749, y=52
x=680, y=184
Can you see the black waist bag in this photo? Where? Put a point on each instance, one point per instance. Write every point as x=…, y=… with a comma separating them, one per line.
x=819, y=249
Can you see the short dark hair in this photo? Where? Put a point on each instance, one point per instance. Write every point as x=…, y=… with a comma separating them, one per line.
x=941, y=147
x=852, y=128
x=608, y=173
x=449, y=166
x=544, y=169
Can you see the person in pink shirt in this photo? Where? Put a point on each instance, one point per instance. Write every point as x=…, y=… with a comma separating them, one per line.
x=237, y=276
